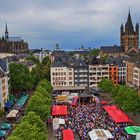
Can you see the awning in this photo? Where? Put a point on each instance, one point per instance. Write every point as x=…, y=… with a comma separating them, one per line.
x=59, y=110
x=104, y=102
x=62, y=98
x=11, y=99
x=57, y=122
x=22, y=100
x=133, y=130
x=68, y=134
x=12, y=114
x=100, y=134
x=6, y=126
x=8, y=104
x=17, y=107
x=2, y=133
x=116, y=114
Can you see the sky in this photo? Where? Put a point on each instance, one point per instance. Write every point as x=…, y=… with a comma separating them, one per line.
x=70, y=23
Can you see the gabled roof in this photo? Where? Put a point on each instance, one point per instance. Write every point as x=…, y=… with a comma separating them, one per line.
x=111, y=49
x=119, y=61
x=80, y=62
x=15, y=39
x=58, y=64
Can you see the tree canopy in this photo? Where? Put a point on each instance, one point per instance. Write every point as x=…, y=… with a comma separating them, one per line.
x=41, y=101
x=125, y=97
x=30, y=128
x=20, y=77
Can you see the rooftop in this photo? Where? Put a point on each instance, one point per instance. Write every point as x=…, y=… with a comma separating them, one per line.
x=111, y=49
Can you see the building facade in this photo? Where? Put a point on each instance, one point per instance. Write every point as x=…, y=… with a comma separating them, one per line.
x=97, y=73
x=81, y=73
x=113, y=73
x=4, y=82
x=130, y=68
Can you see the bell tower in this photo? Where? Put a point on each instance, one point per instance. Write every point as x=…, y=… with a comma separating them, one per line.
x=129, y=37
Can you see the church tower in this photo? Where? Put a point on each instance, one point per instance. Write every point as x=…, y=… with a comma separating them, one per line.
x=6, y=32
x=129, y=37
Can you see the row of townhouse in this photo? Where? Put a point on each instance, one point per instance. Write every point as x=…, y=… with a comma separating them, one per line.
x=83, y=74
x=133, y=72
x=4, y=82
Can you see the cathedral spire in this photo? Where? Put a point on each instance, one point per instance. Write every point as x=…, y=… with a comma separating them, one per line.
x=6, y=32
x=129, y=26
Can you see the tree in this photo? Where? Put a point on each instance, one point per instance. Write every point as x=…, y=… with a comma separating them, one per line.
x=95, y=52
x=14, y=138
x=46, y=84
x=33, y=58
x=46, y=61
x=106, y=85
x=20, y=77
x=41, y=97
x=31, y=127
x=39, y=105
x=37, y=74
x=27, y=131
x=34, y=119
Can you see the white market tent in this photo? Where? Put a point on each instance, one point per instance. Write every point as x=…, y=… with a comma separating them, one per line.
x=12, y=114
x=57, y=122
x=100, y=134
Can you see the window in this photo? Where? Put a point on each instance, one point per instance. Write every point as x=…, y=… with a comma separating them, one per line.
x=70, y=73
x=70, y=83
x=70, y=78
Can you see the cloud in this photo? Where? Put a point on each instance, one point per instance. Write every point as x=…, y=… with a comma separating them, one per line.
x=44, y=22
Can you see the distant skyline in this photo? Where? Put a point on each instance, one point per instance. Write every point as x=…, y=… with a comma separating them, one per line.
x=43, y=23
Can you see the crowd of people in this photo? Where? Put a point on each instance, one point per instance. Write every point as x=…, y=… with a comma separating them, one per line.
x=86, y=117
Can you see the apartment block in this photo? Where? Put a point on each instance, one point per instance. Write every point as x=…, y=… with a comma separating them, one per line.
x=4, y=82
x=61, y=75
x=97, y=73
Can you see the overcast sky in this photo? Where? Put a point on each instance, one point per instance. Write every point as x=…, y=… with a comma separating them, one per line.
x=71, y=23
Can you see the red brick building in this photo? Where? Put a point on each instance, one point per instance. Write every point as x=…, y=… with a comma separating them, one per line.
x=113, y=73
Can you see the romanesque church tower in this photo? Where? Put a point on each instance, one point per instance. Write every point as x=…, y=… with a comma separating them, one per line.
x=129, y=37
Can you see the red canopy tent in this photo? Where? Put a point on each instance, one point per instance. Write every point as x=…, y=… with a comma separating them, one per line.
x=116, y=114
x=59, y=110
x=68, y=134
x=104, y=102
